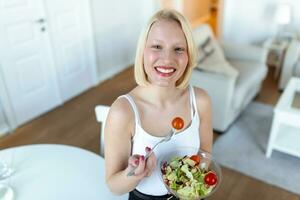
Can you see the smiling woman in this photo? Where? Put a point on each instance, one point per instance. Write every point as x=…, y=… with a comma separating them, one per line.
x=137, y=121
x=165, y=54
x=162, y=40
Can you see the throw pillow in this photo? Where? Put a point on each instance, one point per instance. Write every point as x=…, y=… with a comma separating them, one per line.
x=205, y=50
x=211, y=56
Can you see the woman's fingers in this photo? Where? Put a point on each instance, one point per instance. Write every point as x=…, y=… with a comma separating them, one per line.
x=144, y=166
x=151, y=162
x=138, y=162
x=141, y=166
x=134, y=160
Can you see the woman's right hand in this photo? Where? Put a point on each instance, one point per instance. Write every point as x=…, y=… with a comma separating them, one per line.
x=144, y=167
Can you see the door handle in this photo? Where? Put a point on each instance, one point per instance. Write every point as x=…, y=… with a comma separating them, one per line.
x=40, y=21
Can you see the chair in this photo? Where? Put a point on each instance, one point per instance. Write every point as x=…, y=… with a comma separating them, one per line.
x=101, y=115
x=232, y=80
x=291, y=63
x=101, y=112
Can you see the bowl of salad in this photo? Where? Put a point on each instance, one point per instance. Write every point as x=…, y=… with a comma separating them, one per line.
x=189, y=173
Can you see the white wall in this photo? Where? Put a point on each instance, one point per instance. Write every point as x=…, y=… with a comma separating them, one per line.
x=253, y=21
x=117, y=24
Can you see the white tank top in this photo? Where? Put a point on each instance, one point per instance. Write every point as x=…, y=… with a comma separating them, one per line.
x=153, y=185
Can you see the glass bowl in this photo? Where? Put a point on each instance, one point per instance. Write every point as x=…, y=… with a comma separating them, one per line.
x=188, y=177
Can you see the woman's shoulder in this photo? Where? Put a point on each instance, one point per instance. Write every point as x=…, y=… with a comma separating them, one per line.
x=121, y=106
x=121, y=111
x=200, y=93
x=202, y=97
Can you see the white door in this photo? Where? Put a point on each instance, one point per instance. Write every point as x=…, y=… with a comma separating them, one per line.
x=26, y=62
x=71, y=35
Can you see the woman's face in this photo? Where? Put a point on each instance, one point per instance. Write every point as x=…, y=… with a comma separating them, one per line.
x=165, y=54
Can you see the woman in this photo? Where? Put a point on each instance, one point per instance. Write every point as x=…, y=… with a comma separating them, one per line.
x=165, y=58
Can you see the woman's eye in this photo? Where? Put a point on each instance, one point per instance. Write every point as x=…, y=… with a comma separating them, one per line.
x=156, y=47
x=179, y=49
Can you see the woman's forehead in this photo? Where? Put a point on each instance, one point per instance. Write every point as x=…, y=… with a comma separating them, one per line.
x=166, y=29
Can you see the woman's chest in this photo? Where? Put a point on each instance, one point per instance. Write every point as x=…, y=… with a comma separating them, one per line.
x=159, y=122
x=188, y=138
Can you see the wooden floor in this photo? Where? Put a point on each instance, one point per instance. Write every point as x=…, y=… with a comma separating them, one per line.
x=74, y=123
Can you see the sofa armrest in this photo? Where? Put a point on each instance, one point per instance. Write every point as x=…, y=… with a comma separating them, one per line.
x=244, y=52
x=221, y=89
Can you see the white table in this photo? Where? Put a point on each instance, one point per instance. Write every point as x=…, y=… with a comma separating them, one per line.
x=285, y=130
x=57, y=172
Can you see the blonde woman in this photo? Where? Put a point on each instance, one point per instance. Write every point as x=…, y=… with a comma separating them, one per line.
x=165, y=58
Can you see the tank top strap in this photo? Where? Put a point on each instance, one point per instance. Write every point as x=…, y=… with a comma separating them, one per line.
x=133, y=106
x=193, y=103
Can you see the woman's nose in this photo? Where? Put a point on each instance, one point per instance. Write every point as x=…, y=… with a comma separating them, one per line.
x=167, y=55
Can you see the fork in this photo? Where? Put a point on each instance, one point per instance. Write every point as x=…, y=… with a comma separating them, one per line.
x=165, y=139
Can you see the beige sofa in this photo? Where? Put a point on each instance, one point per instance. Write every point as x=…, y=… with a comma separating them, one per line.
x=233, y=80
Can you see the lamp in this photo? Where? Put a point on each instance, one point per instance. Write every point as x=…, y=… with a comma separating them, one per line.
x=283, y=14
x=282, y=17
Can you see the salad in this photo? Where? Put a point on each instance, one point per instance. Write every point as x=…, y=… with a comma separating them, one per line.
x=188, y=177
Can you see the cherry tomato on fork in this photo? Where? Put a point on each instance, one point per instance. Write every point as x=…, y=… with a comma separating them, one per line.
x=177, y=123
x=210, y=178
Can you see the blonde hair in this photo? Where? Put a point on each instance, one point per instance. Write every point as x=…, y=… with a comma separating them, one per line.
x=139, y=71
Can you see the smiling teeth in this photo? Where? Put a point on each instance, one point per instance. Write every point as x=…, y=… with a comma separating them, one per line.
x=166, y=71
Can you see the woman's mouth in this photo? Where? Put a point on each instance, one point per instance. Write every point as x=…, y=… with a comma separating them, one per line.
x=165, y=71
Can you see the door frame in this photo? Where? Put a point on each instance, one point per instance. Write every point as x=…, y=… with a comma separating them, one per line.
x=9, y=113
x=92, y=43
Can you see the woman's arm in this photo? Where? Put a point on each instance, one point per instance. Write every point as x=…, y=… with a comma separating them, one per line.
x=205, y=113
x=118, y=162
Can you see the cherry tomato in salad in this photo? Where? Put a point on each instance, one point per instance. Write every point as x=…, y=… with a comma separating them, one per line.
x=210, y=178
x=177, y=123
x=196, y=159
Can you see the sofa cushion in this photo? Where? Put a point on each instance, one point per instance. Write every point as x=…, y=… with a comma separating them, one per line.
x=250, y=74
x=211, y=56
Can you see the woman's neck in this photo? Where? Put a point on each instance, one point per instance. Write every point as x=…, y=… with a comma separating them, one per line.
x=162, y=96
